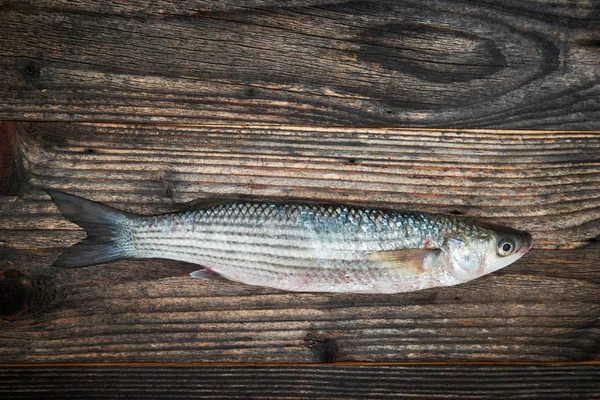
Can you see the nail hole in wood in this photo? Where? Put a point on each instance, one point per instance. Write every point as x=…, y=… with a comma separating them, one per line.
x=32, y=71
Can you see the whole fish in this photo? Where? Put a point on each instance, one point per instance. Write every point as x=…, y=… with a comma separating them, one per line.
x=299, y=247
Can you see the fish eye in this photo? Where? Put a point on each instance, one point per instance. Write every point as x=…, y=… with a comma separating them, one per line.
x=505, y=247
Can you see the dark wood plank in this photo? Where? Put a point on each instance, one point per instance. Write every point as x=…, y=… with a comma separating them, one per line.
x=545, y=307
x=553, y=381
x=527, y=64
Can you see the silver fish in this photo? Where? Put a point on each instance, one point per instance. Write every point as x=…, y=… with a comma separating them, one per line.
x=299, y=247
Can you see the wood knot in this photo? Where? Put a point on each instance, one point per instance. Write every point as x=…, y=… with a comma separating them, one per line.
x=166, y=179
x=327, y=348
x=442, y=55
x=19, y=294
x=32, y=71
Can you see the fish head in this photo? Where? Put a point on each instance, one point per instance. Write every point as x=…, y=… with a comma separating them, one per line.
x=486, y=250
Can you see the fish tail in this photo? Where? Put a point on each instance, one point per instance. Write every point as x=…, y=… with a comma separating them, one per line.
x=107, y=231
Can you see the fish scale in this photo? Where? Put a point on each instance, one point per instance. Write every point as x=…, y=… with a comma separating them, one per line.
x=324, y=246
x=299, y=247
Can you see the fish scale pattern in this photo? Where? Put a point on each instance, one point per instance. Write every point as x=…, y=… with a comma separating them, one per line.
x=350, y=217
x=291, y=246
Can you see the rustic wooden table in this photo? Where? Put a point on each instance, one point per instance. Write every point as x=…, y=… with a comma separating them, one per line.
x=485, y=109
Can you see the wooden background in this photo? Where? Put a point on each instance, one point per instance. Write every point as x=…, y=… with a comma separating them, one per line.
x=486, y=109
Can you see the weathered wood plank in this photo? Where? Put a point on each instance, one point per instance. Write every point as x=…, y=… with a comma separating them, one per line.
x=543, y=308
x=278, y=382
x=546, y=183
x=529, y=64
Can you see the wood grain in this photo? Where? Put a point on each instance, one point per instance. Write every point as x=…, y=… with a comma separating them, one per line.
x=545, y=183
x=529, y=64
x=152, y=311
x=10, y=159
x=295, y=98
x=545, y=307
x=310, y=382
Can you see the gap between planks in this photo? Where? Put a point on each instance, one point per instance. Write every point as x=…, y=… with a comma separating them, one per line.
x=272, y=364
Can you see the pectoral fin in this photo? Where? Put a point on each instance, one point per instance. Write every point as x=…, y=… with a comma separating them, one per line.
x=408, y=261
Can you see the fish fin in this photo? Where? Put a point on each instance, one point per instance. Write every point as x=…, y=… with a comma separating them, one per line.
x=103, y=225
x=407, y=261
x=208, y=275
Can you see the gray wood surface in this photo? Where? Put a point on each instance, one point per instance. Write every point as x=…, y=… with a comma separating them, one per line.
x=303, y=382
x=155, y=106
x=526, y=64
x=545, y=307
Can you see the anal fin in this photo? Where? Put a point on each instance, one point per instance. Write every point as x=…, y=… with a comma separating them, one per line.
x=208, y=275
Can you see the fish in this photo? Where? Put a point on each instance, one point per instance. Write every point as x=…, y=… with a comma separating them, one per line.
x=298, y=247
